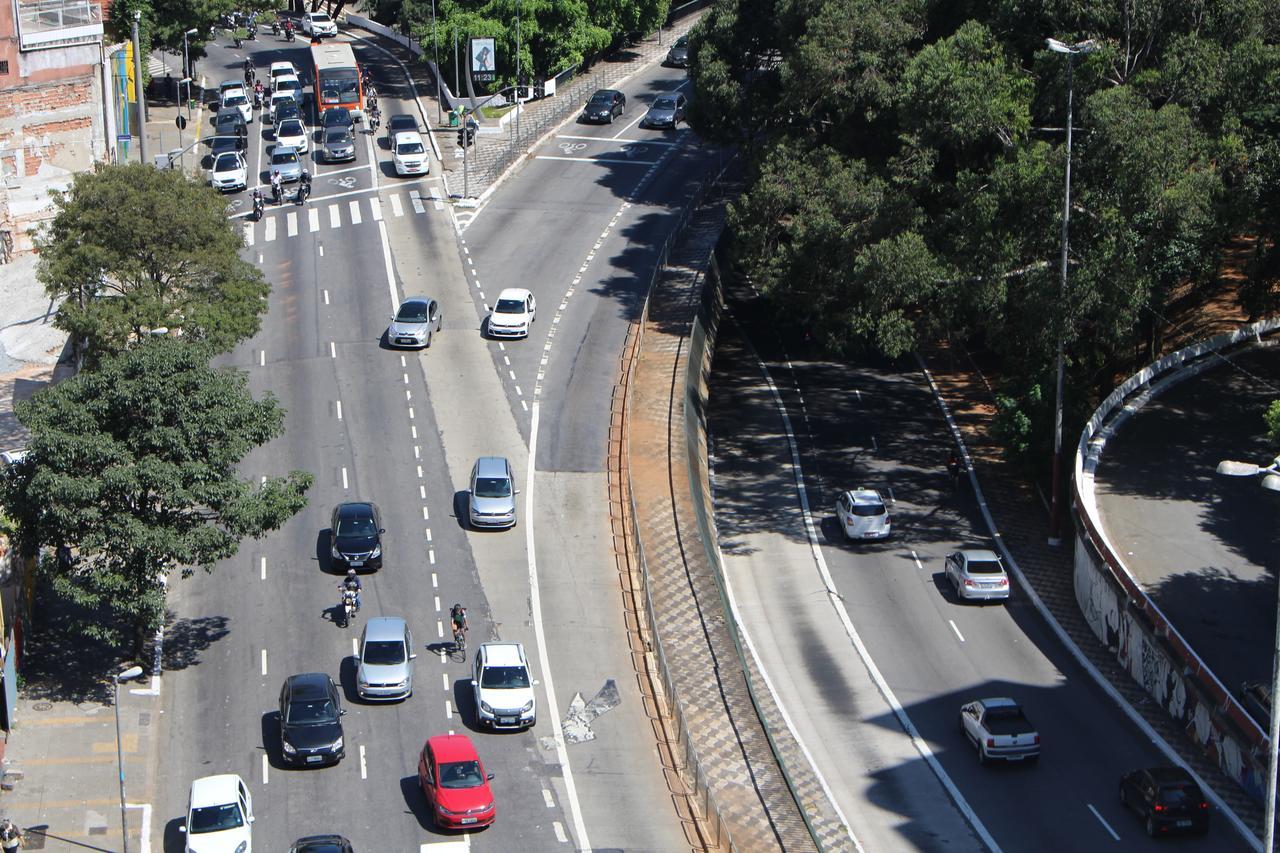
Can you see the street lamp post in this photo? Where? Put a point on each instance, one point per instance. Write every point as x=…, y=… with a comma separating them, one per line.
x=186, y=65
x=1270, y=481
x=435, y=49
x=1055, y=515
x=137, y=89
x=517, y=70
x=131, y=672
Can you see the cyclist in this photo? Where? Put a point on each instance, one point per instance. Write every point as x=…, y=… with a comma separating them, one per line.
x=458, y=616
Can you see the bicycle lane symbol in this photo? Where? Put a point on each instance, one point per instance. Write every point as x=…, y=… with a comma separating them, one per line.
x=346, y=182
x=572, y=147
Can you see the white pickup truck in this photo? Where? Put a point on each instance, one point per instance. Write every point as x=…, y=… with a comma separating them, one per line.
x=998, y=729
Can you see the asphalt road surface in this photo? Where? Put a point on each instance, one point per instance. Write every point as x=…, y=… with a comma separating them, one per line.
x=876, y=425
x=402, y=429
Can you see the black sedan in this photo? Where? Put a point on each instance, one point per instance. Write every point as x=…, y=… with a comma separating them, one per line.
x=1167, y=798
x=678, y=55
x=667, y=111
x=321, y=844
x=337, y=117
x=311, y=720
x=400, y=123
x=604, y=106
x=355, y=536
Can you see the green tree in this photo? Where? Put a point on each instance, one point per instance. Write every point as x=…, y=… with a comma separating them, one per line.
x=134, y=248
x=133, y=466
x=1272, y=420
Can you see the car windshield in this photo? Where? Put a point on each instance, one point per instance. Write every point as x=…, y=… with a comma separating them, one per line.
x=215, y=818
x=320, y=17
x=509, y=306
x=492, y=487
x=383, y=652
x=234, y=101
x=293, y=127
x=664, y=104
x=409, y=148
x=359, y=526
x=412, y=312
x=683, y=41
x=985, y=567
x=337, y=135
x=461, y=774
x=869, y=510
x=281, y=158
x=505, y=677
x=226, y=163
x=312, y=711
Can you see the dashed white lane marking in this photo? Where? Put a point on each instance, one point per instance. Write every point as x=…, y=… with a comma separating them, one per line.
x=411, y=413
x=448, y=710
x=1105, y=825
x=263, y=563
x=559, y=829
x=444, y=681
x=435, y=581
x=364, y=767
x=375, y=205
x=248, y=233
x=424, y=513
x=264, y=661
x=431, y=555
x=439, y=629
x=355, y=647
x=422, y=492
x=339, y=406
x=326, y=296
x=344, y=479
x=320, y=249
x=428, y=530
x=437, y=598
x=353, y=208
x=262, y=358
x=406, y=378
x=417, y=452
x=952, y=623
x=397, y=209
x=419, y=472
x=266, y=765
x=548, y=799
x=919, y=565
x=313, y=219
x=291, y=224
x=333, y=350
x=269, y=230
x=335, y=221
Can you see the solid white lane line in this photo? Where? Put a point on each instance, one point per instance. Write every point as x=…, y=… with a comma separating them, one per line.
x=344, y=478
x=335, y=221
x=264, y=661
x=599, y=160
x=364, y=767
x=1105, y=825
x=266, y=765
x=353, y=209
x=540, y=634
x=952, y=623
x=263, y=563
x=386, y=260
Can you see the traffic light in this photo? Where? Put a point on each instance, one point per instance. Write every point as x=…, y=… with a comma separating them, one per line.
x=462, y=137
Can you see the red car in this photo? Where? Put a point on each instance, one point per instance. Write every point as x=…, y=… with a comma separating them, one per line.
x=455, y=784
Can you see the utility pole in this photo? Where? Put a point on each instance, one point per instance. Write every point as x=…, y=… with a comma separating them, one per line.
x=517, y=70
x=435, y=49
x=137, y=89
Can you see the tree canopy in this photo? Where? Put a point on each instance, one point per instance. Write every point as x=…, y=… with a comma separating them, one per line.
x=133, y=467
x=132, y=248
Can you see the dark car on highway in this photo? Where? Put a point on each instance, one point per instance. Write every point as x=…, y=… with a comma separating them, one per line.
x=321, y=844
x=400, y=123
x=338, y=144
x=667, y=111
x=311, y=720
x=229, y=121
x=355, y=536
x=604, y=106
x=337, y=117
x=678, y=56
x=1167, y=799
x=287, y=109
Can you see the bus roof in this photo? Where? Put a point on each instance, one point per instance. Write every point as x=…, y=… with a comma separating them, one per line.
x=333, y=54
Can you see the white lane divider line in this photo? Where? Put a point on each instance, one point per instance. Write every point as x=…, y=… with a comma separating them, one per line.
x=320, y=249
x=435, y=581
x=444, y=681
x=952, y=623
x=417, y=452
x=420, y=472
x=353, y=210
x=439, y=630
x=448, y=709
x=424, y=514
x=339, y=405
x=263, y=563
x=355, y=647
x=364, y=767
x=437, y=598
x=344, y=478
x=291, y=223
x=333, y=349
x=264, y=661
x=431, y=555
x=269, y=230
x=325, y=293
x=416, y=200
x=313, y=219
x=1105, y=825
x=335, y=221
x=548, y=799
x=375, y=205
x=411, y=413
x=262, y=358
x=266, y=766
x=422, y=494
x=559, y=829
x=919, y=565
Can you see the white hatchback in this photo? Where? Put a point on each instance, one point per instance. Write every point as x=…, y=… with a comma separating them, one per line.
x=512, y=314
x=504, y=688
x=280, y=69
x=862, y=514
x=409, y=154
x=292, y=133
x=219, y=816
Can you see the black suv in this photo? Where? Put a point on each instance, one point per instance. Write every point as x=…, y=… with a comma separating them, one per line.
x=355, y=536
x=311, y=720
x=1167, y=798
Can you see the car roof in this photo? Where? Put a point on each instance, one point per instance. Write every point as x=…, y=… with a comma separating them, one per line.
x=385, y=628
x=294, y=119
x=320, y=843
x=234, y=92
x=284, y=78
x=865, y=496
x=231, y=84
x=283, y=63
x=514, y=293
x=1170, y=775
x=352, y=509
x=609, y=92
x=491, y=466
x=215, y=790
x=503, y=654
x=974, y=554
x=453, y=748
x=308, y=685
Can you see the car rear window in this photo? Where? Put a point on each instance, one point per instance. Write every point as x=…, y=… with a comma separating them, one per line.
x=1180, y=795
x=985, y=567
x=868, y=510
x=409, y=148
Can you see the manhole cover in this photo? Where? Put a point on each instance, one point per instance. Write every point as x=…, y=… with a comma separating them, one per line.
x=42, y=706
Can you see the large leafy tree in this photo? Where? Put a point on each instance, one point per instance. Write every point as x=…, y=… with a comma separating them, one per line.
x=133, y=468
x=133, y=248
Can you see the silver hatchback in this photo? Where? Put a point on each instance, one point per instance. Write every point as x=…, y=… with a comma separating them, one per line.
x=493, y=493
x=385, y=669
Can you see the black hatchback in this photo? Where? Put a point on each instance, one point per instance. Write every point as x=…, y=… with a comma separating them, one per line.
x=604, y=105
x=337, y=117
x=321, y=844
x=355, y=536
x=311, y=720
x=1167, y=798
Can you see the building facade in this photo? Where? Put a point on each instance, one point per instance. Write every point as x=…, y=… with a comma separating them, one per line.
x=55, y=114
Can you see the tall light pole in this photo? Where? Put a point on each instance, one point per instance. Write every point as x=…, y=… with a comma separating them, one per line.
x=131, y=672
x=517, y=70
x=137, y=89
x=186, y=64
x=1270, y=481
x=435, y=48
x=1055, y=514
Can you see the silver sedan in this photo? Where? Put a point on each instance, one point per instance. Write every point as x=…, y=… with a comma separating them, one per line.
x=413, y=324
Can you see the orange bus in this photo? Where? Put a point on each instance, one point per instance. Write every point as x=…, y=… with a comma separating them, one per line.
x=337, y=78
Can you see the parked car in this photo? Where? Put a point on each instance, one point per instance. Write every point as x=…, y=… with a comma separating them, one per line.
x=355, y=536
x=338, y=144
x=292, y=133
x=667, y=111
x=238, y=99
x=493, y=493
x=455, y=784
x=409, y=154
x=385, y=667
x=311, y=720
x=604, y=106
x=219, y=816
x=319, y=24
x=321, y=844
x=229, y=172
x=998, y=729
x=862, y=514
x=503, y=687
x=1167, y=799
x=286, y=161
x=415, y=321
x=512, y=314
x=678, y=55
x=977, y=575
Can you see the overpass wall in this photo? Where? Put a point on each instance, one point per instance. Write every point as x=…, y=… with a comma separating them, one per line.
x=1121, y=614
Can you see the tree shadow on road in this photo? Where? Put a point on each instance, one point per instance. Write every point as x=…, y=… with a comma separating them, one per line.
x=186, y=639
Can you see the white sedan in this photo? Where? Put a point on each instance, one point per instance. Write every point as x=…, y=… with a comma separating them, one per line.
x=977, y=575
x=512, y=314
x=292, y=133
x=239, y=99
x=229, y=172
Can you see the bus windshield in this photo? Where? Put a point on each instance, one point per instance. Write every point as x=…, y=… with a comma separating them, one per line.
x=339, y=86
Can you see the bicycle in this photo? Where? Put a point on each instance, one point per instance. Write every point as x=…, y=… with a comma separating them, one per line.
x=460, y=639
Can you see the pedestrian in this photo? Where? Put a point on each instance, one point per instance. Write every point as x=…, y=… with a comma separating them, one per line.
x=11, y=837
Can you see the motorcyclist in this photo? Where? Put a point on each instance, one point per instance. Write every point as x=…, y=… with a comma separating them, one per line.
x=259, y=203
x=277, y=186
x=288, y=29
x=351, y=584
x=304, y=189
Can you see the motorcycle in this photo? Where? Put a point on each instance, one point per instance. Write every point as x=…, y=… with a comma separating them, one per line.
x=304, y=190
x=288, y=33
x=257, y=99
x=259, y=206
x=277, y=193
x=275, y=28
x=348, y=606
x=253, y=32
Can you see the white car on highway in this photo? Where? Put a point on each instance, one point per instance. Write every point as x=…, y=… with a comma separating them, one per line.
x=977, y=575
x=862, y=514
x=999, y=730
x=219, y=816
x=409, y=154
x=292, y=133
x=239, y=99
x=503, y=687
x=229, y=172
x=280, y=69
x=319, y=24
x=512, y=314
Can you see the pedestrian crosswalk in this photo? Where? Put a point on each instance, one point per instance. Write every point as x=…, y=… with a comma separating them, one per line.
x=309, y=218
